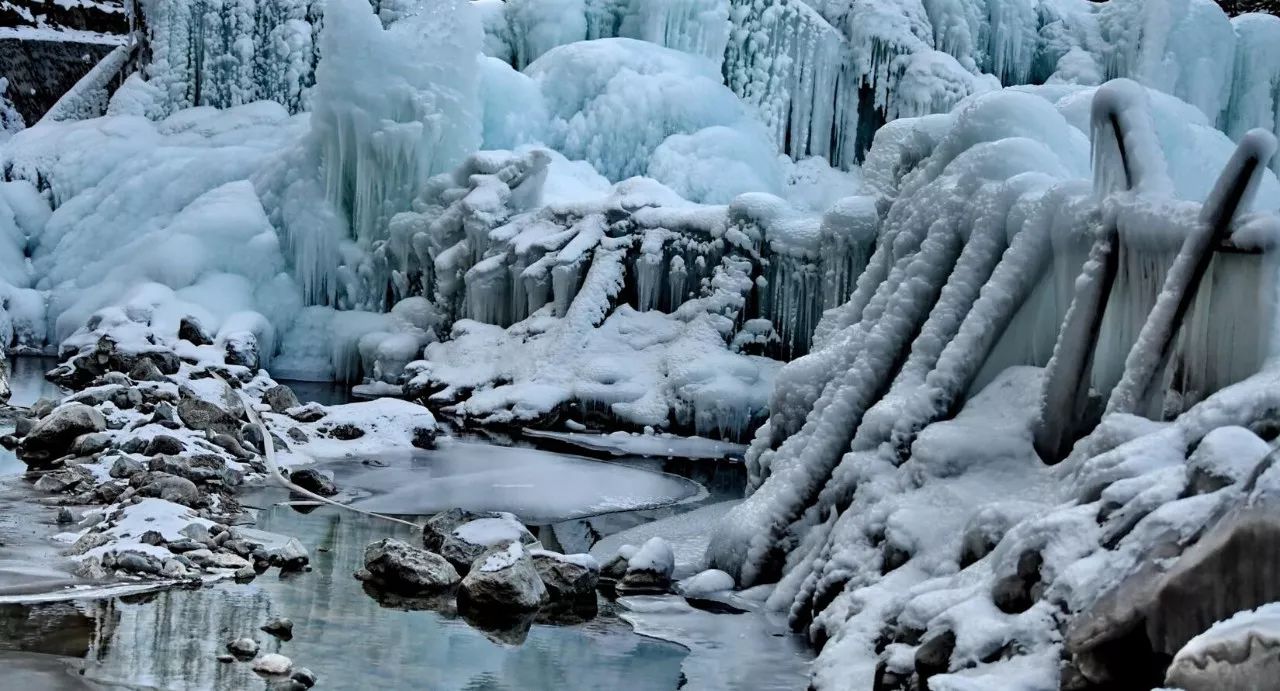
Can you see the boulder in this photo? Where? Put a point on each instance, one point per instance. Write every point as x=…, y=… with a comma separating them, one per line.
x=202, y=415
x=649, y=569
x=190, y=330
x=178, y=490
x=439, y=526
x=311, y=412
x=51, y=438
x=241, y=349
x=471, y=539
x=145, y=370
x=567, y=577
x=125, y=468
x=397, y=565
x=313, y=481
x=243, y=647
x=280, y=627
x=163, y=444
x=503, y=580
x=273, y=664
x=280, y=398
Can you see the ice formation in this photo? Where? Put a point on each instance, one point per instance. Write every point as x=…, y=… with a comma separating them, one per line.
x=963, y=225
x=984, y=251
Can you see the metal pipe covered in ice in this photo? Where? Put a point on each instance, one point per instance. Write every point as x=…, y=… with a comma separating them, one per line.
x=1147, y=358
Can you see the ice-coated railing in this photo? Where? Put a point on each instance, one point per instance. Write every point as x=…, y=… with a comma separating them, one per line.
x=971, y=277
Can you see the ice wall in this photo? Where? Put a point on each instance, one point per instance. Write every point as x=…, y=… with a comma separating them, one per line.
x=392, y=106
x=229, y=52
x=972, y=274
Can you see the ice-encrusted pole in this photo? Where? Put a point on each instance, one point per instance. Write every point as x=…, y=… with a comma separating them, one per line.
x=1150, y=352
x=1126, y=158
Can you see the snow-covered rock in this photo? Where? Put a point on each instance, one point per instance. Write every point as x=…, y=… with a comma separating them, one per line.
x=398, y=566
x=273, y=664
x=649, y=569
x=466, y=543
x=503, y=581
x=567, y=577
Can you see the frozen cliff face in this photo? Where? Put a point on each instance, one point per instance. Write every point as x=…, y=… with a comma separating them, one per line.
x=898, y=498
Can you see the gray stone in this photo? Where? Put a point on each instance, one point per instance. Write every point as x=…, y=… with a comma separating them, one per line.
x=564, y=577
x=202, y=415
x=314, y=481
x=310, y=412
x=164, y=444
x=243, y=647
x=281, y=398
x=145, y=370
x=190, y=330
x=137, y=562
x=290, y=555
x=398, y=566
x=241, y=349
x=178, y=490
x=60, y=481
x=280, y=627
x=89, y=444
x=934, y=657
x=439, y=526
x=503, y=580
x=304, y=676
x=125, y=468
x=52, y=436
x=471, y=539
x=22, y=425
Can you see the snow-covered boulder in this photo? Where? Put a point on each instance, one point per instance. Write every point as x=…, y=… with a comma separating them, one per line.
x=273, y=664
x=504, y=580
x=1238, y=653
x=649, y=569
x=396, y=565
x=53, y=435
x=470, y=540
x=567, y=577
x=438, y=528
x=705, y=583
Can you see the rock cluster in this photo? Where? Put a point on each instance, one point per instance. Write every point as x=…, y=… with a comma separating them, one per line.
x=508, y=579
x=143, y=424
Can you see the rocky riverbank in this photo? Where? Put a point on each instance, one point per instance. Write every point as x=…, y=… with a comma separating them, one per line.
x=141, y=460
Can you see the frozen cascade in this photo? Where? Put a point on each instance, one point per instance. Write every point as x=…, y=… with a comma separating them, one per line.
x=229, y=52
x=1255, y=84
x=379, y=133
x=912, y=346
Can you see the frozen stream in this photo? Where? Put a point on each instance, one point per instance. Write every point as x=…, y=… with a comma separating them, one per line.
x=170, y=639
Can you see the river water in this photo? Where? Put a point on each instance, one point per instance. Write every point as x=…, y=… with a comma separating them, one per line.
x=351, y=640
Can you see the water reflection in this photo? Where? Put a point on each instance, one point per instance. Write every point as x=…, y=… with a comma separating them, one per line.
x=347, y=637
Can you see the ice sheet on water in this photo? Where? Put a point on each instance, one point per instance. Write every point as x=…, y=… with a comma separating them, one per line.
x=743, y=651
x=659, y=445
x=687, y=533
x=538, y=486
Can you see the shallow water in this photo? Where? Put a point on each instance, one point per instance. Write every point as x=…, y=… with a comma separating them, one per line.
x=170, y=639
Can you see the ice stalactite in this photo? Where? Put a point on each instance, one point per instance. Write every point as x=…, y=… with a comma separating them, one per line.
x=1255, y=86
x=700, y=27
x=229, y=52
x=786, y=61
x=392, y=107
